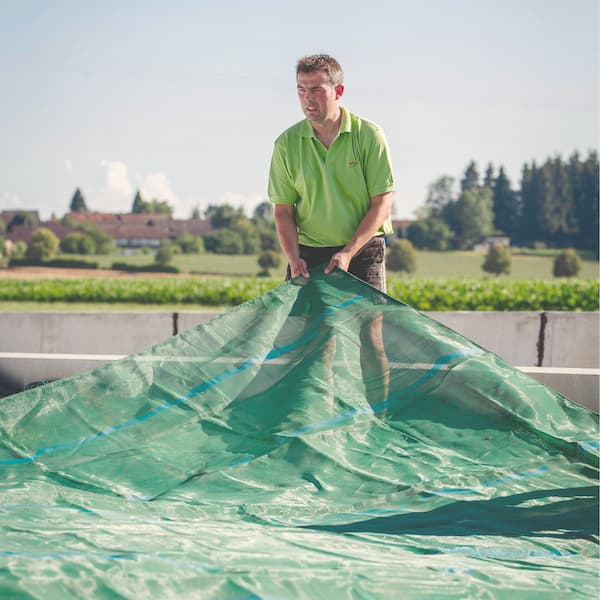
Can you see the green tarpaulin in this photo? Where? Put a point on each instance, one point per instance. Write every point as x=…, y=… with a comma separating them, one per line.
x=320, y=441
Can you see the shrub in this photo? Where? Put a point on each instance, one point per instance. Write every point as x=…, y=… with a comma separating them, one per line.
x=498, y=260
x=164, y=254
x=190, y=243
x=150, y=268
x=224, y=241
x=77, y=243
x=402, y=257
x=269, y=259
x=430, y=233
x=18, y=250
x=60, y=263
x=43, y=245
x=566, y=264
x=104, y=244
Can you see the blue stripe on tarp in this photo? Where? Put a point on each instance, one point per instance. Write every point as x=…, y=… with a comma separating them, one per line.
x=309, y=335
x=381, y=406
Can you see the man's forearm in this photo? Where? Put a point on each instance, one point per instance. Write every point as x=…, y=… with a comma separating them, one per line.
x=381, y=208
x=287, y=233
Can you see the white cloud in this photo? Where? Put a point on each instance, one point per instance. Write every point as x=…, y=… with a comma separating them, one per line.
x=68, y=164
x=156, y=186
x=112, y=191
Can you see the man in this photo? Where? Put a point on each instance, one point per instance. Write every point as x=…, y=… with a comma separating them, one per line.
x=331, y=181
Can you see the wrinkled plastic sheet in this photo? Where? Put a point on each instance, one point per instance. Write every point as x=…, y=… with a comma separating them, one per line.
x=320, y=441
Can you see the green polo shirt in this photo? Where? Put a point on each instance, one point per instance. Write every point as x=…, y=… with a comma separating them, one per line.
x=331, y=190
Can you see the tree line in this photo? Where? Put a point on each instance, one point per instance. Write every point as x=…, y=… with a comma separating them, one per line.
x=555, y=205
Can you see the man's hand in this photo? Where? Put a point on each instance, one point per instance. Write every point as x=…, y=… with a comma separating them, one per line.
x=298, y=267
x=341, y=260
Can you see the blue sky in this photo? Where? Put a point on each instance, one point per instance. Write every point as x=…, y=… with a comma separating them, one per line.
x=183, y=99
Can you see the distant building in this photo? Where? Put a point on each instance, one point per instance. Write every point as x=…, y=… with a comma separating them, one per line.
x=127, y=230
x=8, y=217
x=492, y=240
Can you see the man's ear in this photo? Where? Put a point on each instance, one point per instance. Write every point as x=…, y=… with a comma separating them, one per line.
x=339, y=90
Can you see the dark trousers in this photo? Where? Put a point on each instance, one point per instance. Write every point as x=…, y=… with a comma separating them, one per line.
x=367, y=264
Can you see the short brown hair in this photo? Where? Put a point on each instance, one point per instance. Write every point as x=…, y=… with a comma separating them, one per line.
x=321, y=62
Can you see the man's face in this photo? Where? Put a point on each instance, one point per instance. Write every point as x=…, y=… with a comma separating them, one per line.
x=318, y=96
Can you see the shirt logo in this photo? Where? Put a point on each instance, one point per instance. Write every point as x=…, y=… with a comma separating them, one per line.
x=353, y=163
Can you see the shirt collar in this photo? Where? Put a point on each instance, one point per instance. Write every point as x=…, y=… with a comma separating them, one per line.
x=345, y=125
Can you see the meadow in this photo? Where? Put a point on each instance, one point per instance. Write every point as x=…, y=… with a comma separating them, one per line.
x=430, y=265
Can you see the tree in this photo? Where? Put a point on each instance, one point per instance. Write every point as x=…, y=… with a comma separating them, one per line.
x=68, y=221
x=190, y=243
x=78, y=202
x=248, y=233
x=268, y=237
x=430, y=233
x=269, y=259
x=264, y=212
x=77, y=243
x=18, y=250
x=566, y=264
x=417, y=233
x=505, y=205
x=440, y=193
x=402, y=257
x=161, y=207
x=42, y=246
x=164, y=254
x=195, y=216
x=224, y=241
x=587, y=202
x=471, y=216
x=139, y=205
x=103, y=243
x=497, y=260
x=488, y=178
x=223, y=215
x=470, y=181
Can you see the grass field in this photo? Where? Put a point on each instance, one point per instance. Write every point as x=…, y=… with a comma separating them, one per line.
x=429, y=265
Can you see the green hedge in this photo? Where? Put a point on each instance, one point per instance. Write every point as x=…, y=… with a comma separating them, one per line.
x=61, y=263
x=497, y=294
x=149, y=268
x=423, y=294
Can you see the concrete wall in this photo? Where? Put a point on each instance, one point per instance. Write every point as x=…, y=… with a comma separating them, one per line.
x=33, y=345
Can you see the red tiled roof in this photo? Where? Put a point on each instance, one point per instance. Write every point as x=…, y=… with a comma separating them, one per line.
x=99, y=218
x=20, y=233
x=118, y=226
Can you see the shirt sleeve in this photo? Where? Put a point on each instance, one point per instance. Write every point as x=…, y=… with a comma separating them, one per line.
x=377, y=162
x=281, y=186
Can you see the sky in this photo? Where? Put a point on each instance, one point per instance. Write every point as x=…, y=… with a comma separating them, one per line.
x=183, y=99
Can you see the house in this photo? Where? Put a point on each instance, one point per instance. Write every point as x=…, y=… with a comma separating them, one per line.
x=8, y=216
x=127, y=230
x=492, y=240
